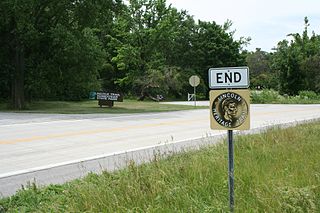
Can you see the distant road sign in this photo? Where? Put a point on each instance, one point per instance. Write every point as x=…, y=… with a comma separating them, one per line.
x=194, y=80
x=229, y=77
x=110, y=96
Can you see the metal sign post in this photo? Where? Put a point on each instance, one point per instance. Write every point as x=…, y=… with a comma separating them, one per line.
x=231, y=170
x=229, y=109
x=195, y=97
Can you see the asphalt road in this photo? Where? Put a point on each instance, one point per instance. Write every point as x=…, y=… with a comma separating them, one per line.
x=31, y=142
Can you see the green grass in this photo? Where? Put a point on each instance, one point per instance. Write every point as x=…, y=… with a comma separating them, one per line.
x=276, y=171
x=133, y=106
x=273, y=97
x=87, y=107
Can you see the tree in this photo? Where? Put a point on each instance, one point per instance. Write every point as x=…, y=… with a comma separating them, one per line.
x=73, y=70
x=63, y=49
x=215, y=47
x=52, y=49
x=16, y=31
x=145, y=51
x=293, y=60
x=311, y=66
x=161, y=39
x=24, y=26
x=261, y=74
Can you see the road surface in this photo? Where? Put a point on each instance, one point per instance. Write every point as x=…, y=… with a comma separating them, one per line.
x=31, y=142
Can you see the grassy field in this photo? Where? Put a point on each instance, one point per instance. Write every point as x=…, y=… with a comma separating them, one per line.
x=86, y=107
x=276, y=171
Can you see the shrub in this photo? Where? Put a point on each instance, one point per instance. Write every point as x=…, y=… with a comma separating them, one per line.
x=265, y=96
x=308, y=95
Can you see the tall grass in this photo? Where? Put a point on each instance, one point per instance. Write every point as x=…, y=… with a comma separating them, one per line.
x=276, y=171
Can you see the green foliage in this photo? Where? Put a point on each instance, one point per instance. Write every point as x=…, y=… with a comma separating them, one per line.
x=214, y=46
x=78, y=64
x=275, y=171
x=297, y=62
x=261, y=74
x=273, y=97
x=311, y=67
x=264, y=96
x=293, y=66
x=59, y=51
x=31, y=198
x=259, y=62
x=68, y=48
x=162, y=45
x=308, y=95
x=62, y=50
x=298, y=199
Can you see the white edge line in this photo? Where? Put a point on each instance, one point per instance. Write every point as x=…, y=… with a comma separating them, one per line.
x=50, y=166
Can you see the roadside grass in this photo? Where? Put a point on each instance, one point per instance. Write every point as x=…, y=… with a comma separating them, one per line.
x=88, y=107
x=273, y=97
x=133, y=106
x=275, y=171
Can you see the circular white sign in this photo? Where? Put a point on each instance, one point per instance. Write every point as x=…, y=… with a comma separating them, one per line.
x=194, y=80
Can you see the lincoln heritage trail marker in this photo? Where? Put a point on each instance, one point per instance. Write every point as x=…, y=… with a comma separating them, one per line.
x=229, y=108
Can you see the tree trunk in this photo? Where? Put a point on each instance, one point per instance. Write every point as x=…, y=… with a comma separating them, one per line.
x=18, y=101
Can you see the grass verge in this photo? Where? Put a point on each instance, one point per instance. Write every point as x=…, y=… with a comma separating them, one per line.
x=276, y=171
x=88, y=107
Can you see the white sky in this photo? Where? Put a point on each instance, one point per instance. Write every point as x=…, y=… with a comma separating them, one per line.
x=266, y=21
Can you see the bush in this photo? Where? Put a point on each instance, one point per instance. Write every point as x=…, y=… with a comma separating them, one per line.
x=273, y=97
x=265, y=96
x=308, y=95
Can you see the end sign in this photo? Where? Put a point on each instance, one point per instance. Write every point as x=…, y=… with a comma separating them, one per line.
x=229, y=77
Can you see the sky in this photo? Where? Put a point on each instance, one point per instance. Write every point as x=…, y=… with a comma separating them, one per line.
x=266, y=22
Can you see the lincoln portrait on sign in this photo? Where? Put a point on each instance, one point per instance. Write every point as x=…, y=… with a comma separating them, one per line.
x=229, y=108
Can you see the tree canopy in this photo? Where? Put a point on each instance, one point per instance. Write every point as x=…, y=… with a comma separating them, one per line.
x=62, y=50
x=297, y=62
x=292, y=67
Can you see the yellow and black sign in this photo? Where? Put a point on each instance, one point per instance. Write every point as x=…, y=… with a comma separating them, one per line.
x=230, y=109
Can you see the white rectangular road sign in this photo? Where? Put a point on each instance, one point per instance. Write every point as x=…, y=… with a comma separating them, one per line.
x=228, y=77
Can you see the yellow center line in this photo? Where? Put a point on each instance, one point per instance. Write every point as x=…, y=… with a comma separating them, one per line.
x=94, y=131
x=118, y=129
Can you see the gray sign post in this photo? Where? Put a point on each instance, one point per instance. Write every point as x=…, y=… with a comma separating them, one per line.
x=231, y=169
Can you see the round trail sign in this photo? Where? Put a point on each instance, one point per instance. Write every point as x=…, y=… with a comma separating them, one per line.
x=194, y=80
